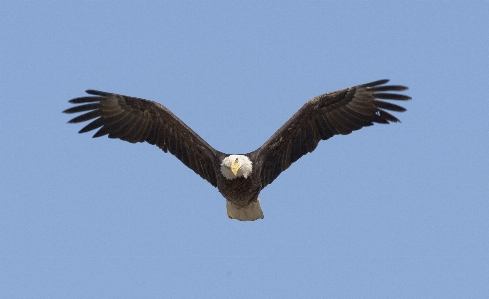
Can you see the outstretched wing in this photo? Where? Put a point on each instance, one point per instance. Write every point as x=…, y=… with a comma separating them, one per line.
x=137, y=120
x=338, y=112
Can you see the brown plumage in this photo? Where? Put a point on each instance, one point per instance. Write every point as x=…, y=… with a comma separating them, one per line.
x=339, y=112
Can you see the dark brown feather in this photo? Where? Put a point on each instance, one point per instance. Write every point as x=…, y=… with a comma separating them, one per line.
x=138, y=120
x=339, y=112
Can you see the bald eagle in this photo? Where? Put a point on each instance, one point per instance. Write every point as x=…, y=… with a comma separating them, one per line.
x=239, y=178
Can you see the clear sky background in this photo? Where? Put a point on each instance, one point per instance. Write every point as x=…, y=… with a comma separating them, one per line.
x=390, y=211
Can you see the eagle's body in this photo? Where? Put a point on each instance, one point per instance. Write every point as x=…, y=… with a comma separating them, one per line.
x=239, y=178
x=240, y=187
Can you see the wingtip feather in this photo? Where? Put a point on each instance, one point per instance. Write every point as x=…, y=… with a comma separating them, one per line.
x=375, y=83
x=97, y=92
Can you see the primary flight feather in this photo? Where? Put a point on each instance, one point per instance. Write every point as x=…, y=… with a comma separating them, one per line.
x=239, y=178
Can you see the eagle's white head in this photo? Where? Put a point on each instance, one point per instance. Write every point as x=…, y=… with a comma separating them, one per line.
x=235, y=166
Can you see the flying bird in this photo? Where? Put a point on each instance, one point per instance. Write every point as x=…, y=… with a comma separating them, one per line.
x=239, y=177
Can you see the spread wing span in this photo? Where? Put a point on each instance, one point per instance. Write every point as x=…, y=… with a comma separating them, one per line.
x=138, y=120
x=322, y=117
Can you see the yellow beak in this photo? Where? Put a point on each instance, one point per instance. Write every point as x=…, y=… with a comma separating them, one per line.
x=235, y=166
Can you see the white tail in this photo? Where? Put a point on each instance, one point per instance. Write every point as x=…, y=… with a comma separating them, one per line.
x=250, y=212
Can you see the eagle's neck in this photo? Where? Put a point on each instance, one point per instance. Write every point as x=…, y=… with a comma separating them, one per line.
x=243, y=164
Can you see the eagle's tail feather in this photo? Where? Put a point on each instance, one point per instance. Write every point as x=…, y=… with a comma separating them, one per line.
x=250, y=212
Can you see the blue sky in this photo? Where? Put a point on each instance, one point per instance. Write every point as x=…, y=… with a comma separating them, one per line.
x=390, y=211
